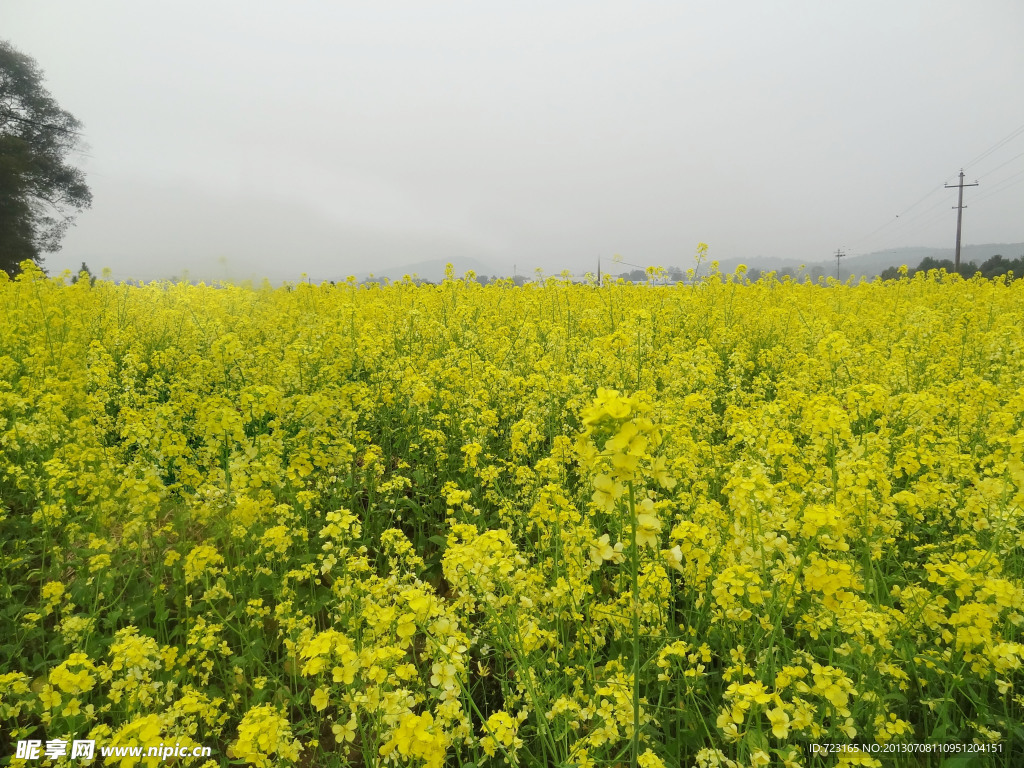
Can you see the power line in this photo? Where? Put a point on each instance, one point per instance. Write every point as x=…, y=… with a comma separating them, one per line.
x=904, y=222
x=1006, y=178
x=1001, y=165
x=1013, y=134
x=922, y=220
x=900, y=218
x=1001, y=186
x=923, y=224
x=895, y=219
x=916, y=224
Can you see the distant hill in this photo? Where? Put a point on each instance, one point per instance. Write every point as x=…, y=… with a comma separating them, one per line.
x=871, y=264
x=433, y=269
x=867, y=264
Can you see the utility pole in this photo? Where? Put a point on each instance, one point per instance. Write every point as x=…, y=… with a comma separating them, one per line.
x=959, y=215
x=839, y=255
x=598, y=271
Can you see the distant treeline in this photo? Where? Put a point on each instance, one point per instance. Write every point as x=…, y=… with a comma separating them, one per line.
x=997, y=266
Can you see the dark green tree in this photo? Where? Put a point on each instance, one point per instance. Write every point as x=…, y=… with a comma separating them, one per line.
x=84, y=273
x=39, y=191
x=996, y=266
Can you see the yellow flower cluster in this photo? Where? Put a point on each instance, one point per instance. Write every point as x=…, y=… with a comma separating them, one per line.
x=265, y=738
x=556, y=524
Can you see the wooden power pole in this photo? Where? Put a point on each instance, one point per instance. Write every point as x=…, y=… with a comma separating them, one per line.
x=839, y=255
x=959, y=215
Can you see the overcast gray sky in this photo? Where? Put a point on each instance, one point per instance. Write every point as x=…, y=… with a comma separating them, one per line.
x=236, y=139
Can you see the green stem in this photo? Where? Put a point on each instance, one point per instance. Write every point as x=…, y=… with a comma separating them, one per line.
x=635, y=750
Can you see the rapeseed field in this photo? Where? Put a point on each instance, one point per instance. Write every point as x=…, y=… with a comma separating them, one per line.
x=714, y=524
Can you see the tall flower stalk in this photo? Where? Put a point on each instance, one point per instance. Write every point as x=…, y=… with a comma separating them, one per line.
x=618, y=445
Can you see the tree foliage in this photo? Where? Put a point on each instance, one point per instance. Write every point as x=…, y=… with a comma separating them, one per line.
x=997, y=266
x=39, y=190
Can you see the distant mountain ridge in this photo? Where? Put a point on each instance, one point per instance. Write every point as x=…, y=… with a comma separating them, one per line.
x=866, y=264
x=979, y=254
x=434, y=269
x=872, y=264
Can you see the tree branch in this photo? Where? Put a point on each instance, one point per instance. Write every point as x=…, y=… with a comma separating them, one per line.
x=37, y=124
